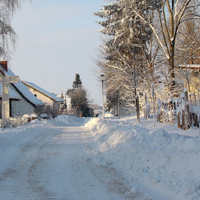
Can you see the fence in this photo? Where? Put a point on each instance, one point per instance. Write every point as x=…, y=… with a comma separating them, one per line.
x=183, y=111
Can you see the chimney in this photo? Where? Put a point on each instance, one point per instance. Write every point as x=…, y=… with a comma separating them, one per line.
x=4, y=64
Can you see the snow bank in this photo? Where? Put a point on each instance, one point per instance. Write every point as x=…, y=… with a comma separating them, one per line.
x=65, y=120
x=108, y=115
x=153, y=161
x=161, y=164
x=11, y=138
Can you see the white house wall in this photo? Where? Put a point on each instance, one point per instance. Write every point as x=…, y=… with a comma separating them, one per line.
x=44, y=99
x=19, y=108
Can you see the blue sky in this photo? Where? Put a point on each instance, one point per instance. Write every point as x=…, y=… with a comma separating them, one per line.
x=56, y=40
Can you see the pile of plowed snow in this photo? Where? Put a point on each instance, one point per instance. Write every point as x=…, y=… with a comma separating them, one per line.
x=65, y=120
x=164, y=165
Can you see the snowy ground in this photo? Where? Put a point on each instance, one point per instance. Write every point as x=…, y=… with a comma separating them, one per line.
x=91, y=159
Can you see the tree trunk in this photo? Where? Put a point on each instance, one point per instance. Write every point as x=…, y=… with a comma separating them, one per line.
x=137, y=106
x=146, y=107
x=185, y=113
x=172, y=74
x=187, y=120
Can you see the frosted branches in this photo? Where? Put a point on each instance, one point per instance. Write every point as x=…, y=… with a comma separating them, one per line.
x=142, y=45
x=7, y=34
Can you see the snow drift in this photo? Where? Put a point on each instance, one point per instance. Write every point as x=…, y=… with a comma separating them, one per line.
x=164, y=165
x=161, y=162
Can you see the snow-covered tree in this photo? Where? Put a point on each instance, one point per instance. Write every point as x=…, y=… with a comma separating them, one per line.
x=79, y=98
x=80, y=102
x=168, y=17
x=188, y=43
x=128, y=52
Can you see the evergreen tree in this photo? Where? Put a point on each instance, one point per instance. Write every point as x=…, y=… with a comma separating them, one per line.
x=79, y=99
x=77, y=82
x=79, y=102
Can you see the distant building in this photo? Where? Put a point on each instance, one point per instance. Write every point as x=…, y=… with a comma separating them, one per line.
x=66, y=104
x=69, y=105
x=46, y=97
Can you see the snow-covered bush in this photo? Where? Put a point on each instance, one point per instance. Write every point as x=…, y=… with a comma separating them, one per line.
x=47, y=110
x=167, y=112
x=163, y=116
x=146, y=110
x=172, y=117
x=33, y=116
x=26, y=118
x=43, y=116
x=15, y=121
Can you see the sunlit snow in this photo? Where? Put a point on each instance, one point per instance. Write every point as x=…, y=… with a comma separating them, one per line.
x=83, y=158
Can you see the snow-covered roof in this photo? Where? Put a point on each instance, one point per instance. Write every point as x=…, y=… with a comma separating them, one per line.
x=43, y=91
x=59, y=96
x=23, y=90
x=12, y=94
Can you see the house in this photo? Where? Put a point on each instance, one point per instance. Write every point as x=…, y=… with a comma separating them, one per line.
x=66, y=102
x=46, y=97
x=22, y=101
x=13, y=97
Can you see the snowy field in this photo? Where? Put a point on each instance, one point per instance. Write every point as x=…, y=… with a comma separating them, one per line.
x=112, y=159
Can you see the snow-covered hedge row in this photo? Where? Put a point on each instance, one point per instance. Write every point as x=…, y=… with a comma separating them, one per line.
x=15, y=121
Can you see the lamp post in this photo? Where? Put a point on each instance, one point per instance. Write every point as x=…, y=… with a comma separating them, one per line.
x=103, y=78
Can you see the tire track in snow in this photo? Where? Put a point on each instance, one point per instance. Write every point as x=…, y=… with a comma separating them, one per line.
x=14, y=180
x=52, y=165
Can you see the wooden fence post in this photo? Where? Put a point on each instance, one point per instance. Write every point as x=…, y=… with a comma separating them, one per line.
x=179, y=121
x=187, y=120
x=183, y=119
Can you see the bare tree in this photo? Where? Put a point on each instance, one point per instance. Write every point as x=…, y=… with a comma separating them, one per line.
x=7, y=34
x=188, y=42
x=170, y=14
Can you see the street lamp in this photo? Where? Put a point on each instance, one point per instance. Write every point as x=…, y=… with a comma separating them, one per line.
x=103, y=78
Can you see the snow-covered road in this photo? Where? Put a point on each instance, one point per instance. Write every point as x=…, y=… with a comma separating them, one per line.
x=71, y=158
x=49, y=162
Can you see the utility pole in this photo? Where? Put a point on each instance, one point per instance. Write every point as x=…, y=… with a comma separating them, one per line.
x=6, y=80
